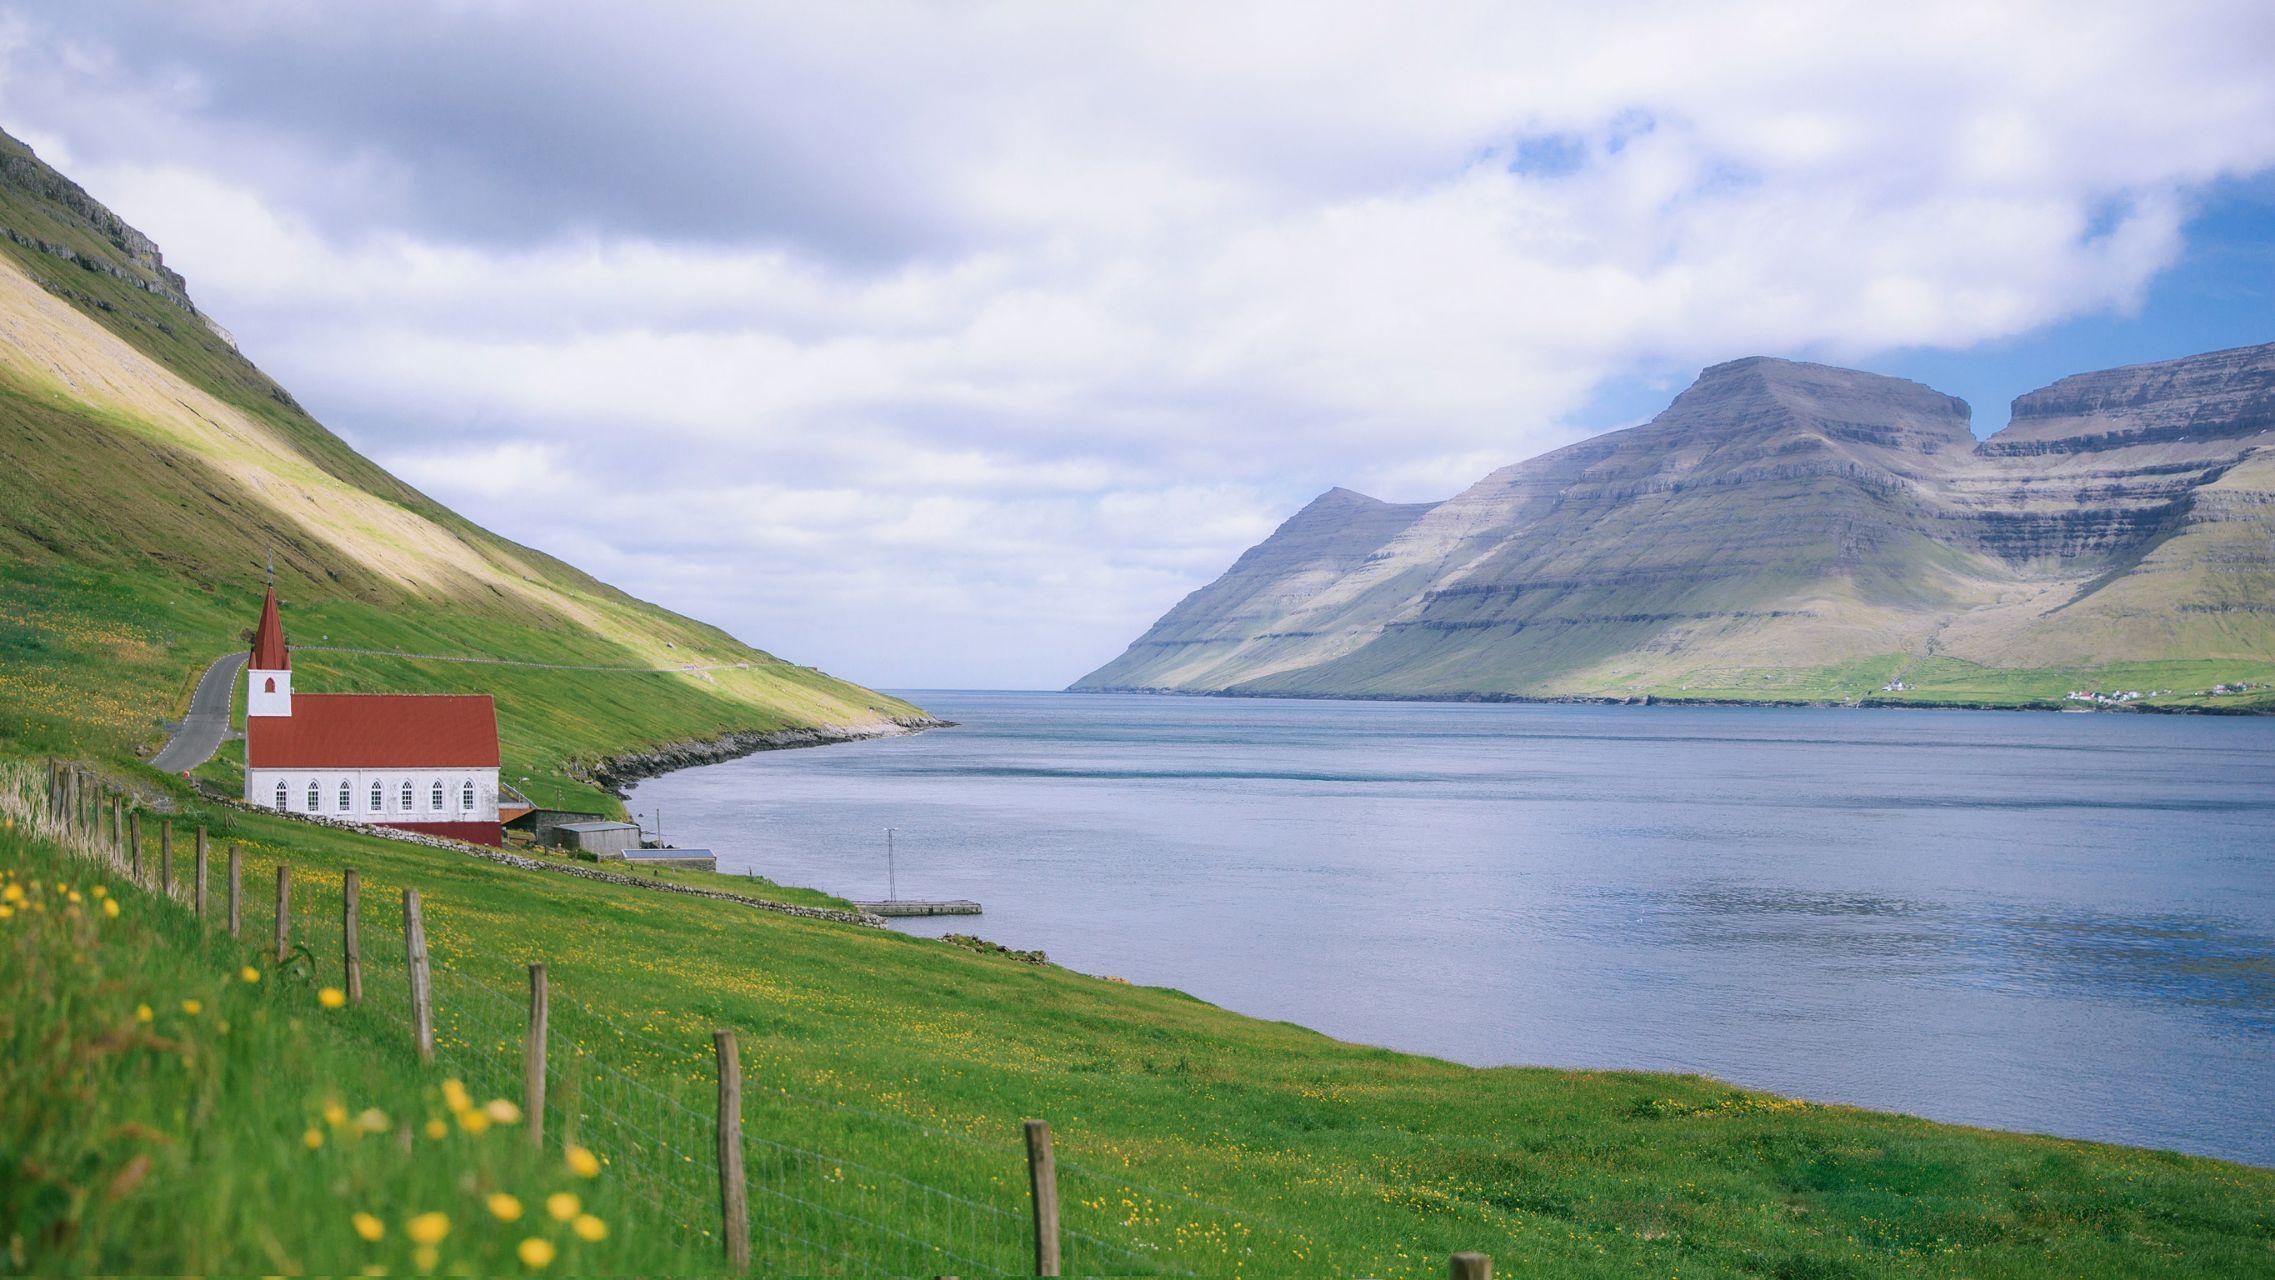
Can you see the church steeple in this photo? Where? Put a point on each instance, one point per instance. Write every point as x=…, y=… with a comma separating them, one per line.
x=268, y=674
x=269, y=652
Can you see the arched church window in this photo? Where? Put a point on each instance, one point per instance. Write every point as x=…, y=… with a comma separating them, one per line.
x=378, y=797
x=434, y=800
x=347, y=797
x=269, y=685
x=466, y=794
x=406, y=797
x=315, y=796
x=280, y=795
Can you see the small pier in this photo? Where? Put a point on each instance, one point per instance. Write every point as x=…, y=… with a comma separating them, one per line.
x=911, y=907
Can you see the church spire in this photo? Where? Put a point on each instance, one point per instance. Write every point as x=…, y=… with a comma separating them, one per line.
x=269, y=652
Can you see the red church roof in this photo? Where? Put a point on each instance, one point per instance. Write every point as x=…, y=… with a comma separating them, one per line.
x=269, y=653
x=376, y=731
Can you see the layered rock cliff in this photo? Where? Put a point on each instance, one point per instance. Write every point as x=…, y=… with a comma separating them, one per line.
x=1778, y=522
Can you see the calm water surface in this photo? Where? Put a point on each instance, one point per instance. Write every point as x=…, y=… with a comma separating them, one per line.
x=2060, y=923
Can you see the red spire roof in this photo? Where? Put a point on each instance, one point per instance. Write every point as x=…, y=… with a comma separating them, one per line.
x=269, y=653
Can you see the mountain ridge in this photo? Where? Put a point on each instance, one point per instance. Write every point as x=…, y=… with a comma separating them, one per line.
x=1794, y=531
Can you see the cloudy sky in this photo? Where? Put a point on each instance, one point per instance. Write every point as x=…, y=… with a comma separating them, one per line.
x=947, y=346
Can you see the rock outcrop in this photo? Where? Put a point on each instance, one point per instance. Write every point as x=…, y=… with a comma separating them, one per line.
x=1778, y=517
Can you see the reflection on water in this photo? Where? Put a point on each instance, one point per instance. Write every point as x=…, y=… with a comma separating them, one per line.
x=2059, y=923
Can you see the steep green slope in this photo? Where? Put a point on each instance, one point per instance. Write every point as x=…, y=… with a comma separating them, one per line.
x=155, y=471
x=1798, y=532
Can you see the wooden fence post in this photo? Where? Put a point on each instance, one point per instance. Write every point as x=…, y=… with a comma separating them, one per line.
x=283, y=910
x=197, y=891
x=734, y=1196
x=1470, y=1266
x=422, y=995
x=351, y=933
x=166, y=857
x=1043, y=1182
x=236, y=891
x=118, y=832
x=134, y=845
x=533, y=1059
x=71, y=800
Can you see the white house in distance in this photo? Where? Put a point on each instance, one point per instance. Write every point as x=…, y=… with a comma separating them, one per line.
x=422, y=762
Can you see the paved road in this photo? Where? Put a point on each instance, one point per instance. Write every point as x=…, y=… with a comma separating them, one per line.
x=208, y=721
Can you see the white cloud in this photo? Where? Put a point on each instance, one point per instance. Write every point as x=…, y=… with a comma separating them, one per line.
x=960, y=342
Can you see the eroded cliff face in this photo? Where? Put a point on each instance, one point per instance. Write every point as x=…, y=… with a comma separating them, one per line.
x=1777, y=516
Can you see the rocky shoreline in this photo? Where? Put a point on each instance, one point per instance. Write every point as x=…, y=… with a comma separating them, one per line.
x=1662, y=700
x=618, y=773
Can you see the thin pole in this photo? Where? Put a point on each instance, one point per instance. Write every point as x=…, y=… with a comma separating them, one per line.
x=236, y=891
x=734, y=1202
x=283, y=911
x=166, y=857
x=1043, y=1183
x=533, y=1059
x=422, y=994
x=892, y=882
x=351, y=933
x=198, y=893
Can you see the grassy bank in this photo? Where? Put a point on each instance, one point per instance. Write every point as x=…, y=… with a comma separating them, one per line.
x=887, y=1076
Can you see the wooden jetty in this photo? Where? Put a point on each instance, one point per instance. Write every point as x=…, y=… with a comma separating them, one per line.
x=911, y=907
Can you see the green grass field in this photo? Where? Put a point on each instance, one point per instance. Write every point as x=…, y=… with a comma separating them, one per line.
x=886, y=1078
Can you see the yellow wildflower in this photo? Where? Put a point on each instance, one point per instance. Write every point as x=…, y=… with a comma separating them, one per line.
x=454, y=1095
x=367, y=1226
x=583, y=1163
x=110, y=908
x=334, y=1113
x=99, y=891
x=72, y=896
x=474, y=1122
x=534, y=1253
x=249, y=974
x=437, y=1130
x=193, y=1007
x=331, y=997
x=314, y=1138
x=563, y=1205
x=502, y=1111
x=589, y=1228
x=142, y=1013
x=505, y=1208
x=428, y=1228
x=6, y=911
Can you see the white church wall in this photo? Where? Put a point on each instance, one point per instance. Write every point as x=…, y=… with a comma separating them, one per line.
x=261, y=790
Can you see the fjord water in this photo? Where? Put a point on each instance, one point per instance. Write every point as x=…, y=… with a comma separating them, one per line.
x=2058, y=923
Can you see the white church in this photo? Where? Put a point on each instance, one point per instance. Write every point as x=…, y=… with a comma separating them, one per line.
x=422, y=762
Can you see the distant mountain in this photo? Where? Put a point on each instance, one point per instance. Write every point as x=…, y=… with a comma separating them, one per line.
x=1789, y=531
x=152, y=472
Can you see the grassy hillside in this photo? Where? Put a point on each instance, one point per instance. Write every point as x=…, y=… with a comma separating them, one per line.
x=886, y=1076
x=154, y=471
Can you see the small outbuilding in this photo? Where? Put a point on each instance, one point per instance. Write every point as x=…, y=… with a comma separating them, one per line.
x=605, y=840
x=677, y=859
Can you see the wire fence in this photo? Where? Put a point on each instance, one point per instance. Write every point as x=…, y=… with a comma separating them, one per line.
x=830, y=1186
